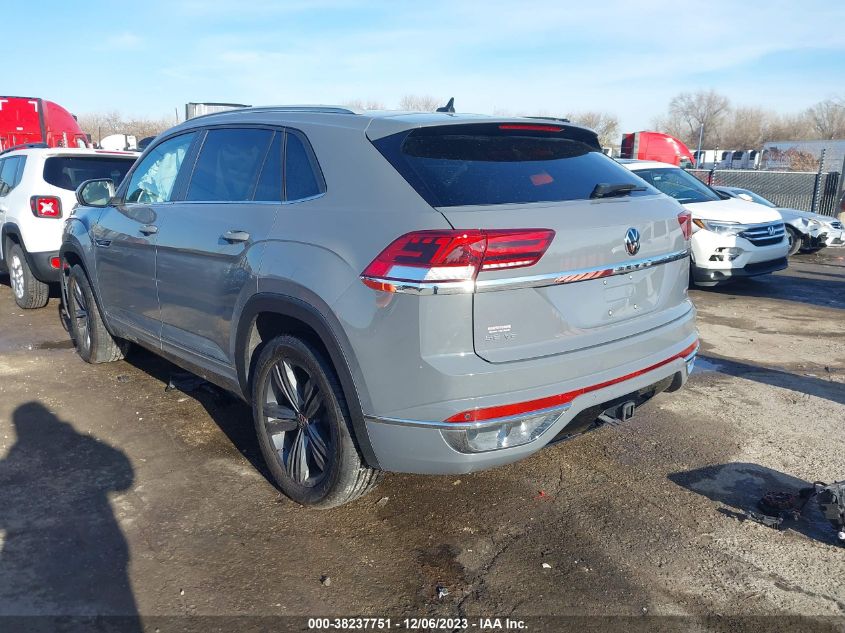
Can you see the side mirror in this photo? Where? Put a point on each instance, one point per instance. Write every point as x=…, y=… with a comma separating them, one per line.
x=95, y=193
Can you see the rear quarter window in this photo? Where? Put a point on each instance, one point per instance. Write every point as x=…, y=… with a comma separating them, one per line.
x=303, y=177
x=68, y=172
x=491, y=164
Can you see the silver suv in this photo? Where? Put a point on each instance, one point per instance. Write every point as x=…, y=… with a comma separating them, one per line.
x=423, y=293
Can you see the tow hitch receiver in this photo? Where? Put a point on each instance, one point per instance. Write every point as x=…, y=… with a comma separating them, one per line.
x=619, y=414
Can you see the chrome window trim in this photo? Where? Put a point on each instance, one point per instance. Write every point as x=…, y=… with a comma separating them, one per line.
x=529, y=281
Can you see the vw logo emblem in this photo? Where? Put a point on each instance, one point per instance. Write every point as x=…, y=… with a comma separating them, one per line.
x=771, y=229
x=632, y=241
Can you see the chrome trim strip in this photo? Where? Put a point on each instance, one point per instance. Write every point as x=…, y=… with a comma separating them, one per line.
x=574, y=276
x=533, y=281
x=467, y=426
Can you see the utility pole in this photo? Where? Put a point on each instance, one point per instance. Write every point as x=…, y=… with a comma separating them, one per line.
x=700, y=138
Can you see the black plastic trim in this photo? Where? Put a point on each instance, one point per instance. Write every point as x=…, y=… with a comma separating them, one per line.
x=293, y=307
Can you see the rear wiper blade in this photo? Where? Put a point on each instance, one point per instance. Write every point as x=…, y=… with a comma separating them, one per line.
x=609, y=190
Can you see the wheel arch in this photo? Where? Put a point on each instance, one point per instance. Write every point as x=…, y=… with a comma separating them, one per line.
x=269, y=314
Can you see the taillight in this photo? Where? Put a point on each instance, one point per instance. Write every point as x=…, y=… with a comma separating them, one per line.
x=450, y=257
x=685, y=220
x=46, y=206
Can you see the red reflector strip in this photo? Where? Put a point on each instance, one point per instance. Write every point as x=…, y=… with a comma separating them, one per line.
x=530, y=127
x=55, y=262
x=549, y=402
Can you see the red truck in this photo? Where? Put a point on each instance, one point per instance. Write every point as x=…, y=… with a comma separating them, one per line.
x=32, y=120
x=656, y=146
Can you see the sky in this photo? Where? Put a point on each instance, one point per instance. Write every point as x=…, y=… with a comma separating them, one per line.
x=627, y=58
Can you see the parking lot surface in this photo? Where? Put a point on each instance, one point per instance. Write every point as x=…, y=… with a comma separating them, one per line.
x=119, y=497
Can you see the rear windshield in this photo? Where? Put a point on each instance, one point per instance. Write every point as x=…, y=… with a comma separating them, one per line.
x=68, y=172
x=682, y=186
x=488, y=164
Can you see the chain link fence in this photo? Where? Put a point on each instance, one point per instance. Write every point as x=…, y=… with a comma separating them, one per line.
x=803, y=190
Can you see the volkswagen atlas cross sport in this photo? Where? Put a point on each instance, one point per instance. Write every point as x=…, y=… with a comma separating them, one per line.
x=423, y=293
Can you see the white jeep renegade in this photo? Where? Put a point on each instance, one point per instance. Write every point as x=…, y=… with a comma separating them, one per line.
x=37, y=191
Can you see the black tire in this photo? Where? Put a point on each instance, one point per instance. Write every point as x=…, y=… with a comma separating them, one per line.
x=92, y=340
x=308, y=445
x=29, y=292
x=795, y=240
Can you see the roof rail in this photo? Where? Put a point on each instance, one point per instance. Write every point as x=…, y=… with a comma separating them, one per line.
x=323, y=109
x=25, y=146
x=319, y=109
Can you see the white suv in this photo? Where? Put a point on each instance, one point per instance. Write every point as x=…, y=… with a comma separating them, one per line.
x=37, y=190
x=731, y=238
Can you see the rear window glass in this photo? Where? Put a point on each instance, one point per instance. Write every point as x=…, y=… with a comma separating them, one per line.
x=68, y=172
x=269, y=187
x=485, y=165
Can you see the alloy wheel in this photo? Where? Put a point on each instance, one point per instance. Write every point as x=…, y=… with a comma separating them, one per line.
x=79, y=312
x=17, y=276
x=296, y=420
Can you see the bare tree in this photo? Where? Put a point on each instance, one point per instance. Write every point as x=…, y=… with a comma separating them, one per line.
x=669, y=124
x=420, y=103
x=369, y=104
x=790, y=127
x=694, y=109
x=828, y=118
x=745, y=128
x=102, y=124
x=605, y=125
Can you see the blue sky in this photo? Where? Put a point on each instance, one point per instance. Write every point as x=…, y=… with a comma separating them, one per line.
x=627, y=58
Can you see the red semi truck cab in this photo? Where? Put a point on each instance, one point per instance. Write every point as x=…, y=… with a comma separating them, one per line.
x=33, y=120
x=656, y=146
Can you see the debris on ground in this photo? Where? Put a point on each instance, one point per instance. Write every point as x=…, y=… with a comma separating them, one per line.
x=382, y=502
x=123, y=378
x=546, y=566
x=442, y=592
x=186, y=382
x=325, y=581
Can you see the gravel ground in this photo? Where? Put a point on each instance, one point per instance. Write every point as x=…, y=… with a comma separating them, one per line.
x=120, y=498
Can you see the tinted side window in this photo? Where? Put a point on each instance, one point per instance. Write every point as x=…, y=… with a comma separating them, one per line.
x=303, y=178
x=8, y=174
x=155, y=176
x=228, y=164
x=269, y=187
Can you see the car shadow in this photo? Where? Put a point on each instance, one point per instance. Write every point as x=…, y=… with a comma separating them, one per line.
x=787, y=287
x=818, y=387
x=230, y=413
x=63, y=553
x=740, y=485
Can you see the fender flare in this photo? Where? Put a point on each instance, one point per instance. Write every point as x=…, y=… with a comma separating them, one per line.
x=331, y=334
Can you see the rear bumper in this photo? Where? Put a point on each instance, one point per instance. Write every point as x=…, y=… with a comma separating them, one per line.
x=431, y=446
x=711, y=275
x=39, y=263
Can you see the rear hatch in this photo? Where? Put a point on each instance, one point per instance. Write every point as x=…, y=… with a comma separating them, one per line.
x=533, y=176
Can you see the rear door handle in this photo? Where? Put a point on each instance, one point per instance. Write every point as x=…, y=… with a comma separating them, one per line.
x=236, y=236
x=149, y=229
